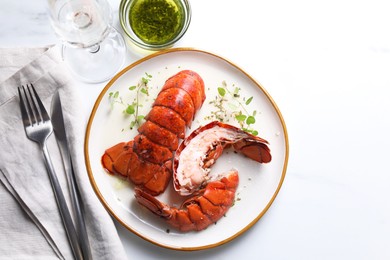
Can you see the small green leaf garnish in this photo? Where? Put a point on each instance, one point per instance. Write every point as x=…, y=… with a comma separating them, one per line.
x=248, y=101
x=240, y=117
x=144, y=91
x=230, y=105
x=140, y=118
x=250, y=120
x=132, y=110
x=221, y=91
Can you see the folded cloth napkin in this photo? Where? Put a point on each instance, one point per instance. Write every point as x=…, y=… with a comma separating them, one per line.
x=30, y=223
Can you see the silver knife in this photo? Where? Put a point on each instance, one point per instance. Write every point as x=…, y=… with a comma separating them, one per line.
x=60, y=133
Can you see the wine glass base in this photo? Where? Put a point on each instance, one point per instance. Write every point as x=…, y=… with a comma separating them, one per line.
x=97, y=63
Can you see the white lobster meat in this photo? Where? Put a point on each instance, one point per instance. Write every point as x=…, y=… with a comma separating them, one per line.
x=200, y=150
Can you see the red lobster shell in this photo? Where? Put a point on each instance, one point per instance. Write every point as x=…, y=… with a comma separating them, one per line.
x=147, y=160
x=199, y=151
x=206, y=207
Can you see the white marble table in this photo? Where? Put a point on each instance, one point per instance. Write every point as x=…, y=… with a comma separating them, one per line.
x=327, y=66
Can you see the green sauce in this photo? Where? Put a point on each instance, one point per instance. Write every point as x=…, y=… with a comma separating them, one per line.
x=156, y=21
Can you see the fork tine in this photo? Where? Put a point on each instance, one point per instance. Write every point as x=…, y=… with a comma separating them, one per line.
x=33, y=104
x=30, y=106
x=24, y=107
x=43, y=112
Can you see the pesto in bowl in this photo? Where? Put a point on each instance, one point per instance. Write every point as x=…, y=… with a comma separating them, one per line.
x=154, y=24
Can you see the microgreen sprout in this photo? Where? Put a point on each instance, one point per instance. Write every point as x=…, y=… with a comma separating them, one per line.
x=230, y=105
x=132, y=109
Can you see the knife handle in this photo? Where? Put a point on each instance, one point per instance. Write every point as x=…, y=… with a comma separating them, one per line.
x=62, y=206
x=78, y=210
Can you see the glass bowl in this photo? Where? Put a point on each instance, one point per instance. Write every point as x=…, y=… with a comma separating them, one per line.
x=154, y=24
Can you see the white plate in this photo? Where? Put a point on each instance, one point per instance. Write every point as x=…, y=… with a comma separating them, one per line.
x=259, y=183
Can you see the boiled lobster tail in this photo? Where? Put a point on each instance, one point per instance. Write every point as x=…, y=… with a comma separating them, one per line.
x=147, y=160
x=201, y=210
x=201, y=149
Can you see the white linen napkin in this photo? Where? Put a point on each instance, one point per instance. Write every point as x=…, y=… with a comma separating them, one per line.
x=30, y=223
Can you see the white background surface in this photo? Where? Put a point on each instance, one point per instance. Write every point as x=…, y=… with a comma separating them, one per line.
x=327, y=66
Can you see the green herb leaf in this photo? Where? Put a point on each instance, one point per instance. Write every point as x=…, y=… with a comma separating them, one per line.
x=132, y=87
x=221, y=91
x=250, y=120
x=145, y=91
x=144, y=80
x=140, y=118
x=240, y=117
x=248, y=101
x=130, y=109
x=114, y=94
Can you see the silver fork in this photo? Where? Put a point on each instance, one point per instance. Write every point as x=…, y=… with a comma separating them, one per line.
x=38, y=128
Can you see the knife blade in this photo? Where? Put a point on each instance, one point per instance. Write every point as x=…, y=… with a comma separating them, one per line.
x=62, y=141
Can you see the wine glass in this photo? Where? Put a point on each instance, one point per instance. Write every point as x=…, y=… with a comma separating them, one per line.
x=93, y=49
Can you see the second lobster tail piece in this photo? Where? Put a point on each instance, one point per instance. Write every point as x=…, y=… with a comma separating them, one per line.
x=201, y=149
x=147, y=160
x=205, y=207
